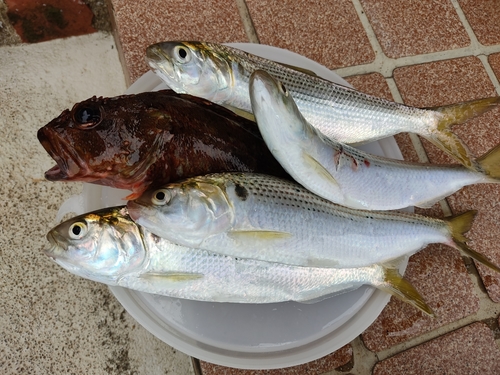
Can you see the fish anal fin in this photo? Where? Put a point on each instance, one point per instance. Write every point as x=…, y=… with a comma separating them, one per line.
x=171, y=276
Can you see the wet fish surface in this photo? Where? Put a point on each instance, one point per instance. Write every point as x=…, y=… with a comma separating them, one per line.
x=344, y=174
x=108, y=247
x=136, y=141
x=266, y=218
x=221, y=74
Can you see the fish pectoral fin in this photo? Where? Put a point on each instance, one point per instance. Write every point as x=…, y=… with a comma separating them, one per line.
x=268, y=235
x=320, y=170
x=171, y=276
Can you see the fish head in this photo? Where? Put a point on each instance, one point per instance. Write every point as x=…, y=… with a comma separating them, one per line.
x=275, y=110
x=185, y=213
x=191, y=68
x=108, y=141
x=102, y=245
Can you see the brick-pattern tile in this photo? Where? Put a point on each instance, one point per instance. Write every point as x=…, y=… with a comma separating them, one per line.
x=494, y=61
x=319, y=366
x=483, y=16
x=408, y=28
x=42, y=20
x=440, y=276
x=327, y=31
x=468, y=351
x=454, y=81
x=141, y=23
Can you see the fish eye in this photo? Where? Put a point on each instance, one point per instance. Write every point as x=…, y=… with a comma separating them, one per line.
x=161, y=197
x=183, y=54
x=87, y=116
x=77, y=230
x=283, y=88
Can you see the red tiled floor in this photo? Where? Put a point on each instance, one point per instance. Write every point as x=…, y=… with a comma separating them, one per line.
x=42, y=20
x=140, y=24
x=440, y=276
x=329, y=32
x=483, y=16
x=453, y=81
x=415, y=27
x=494, y=61
x=320, y=366
x=467, y=351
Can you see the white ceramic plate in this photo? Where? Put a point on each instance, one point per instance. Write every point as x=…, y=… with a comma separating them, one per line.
x=248, y=336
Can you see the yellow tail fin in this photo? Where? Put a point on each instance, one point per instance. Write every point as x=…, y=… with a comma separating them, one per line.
x=490, y=162
x=459, y=225
x=456, y=114
x=401, y=288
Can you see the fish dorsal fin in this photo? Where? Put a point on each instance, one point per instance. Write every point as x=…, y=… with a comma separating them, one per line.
x=266, y=235
x=298, y=69
x=171, y=276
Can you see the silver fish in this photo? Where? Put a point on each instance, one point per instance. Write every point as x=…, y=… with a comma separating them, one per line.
x=344, y=174
x=266, y=218
x=108, y=247
x=221, y=74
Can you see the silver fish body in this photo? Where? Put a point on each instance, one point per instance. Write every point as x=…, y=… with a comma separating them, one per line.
x=108, y=247
x=222, y=73
x=266, y=218
x=344, y=174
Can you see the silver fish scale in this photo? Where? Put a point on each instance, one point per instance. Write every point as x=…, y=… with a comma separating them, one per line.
x=339, y=112
x=220, y=278
x=321, y=233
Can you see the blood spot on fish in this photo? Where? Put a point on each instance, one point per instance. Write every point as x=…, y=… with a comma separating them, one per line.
x=336, y=158
x=354, y=164
x=367, y=163
x=241, y=192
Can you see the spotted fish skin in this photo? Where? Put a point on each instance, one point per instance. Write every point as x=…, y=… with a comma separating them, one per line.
x=261, y=217
x=107, y=246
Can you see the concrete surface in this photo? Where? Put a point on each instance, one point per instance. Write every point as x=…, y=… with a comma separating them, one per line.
x=52, y=322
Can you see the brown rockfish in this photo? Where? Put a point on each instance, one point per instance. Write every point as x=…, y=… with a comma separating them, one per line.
x=145, y=140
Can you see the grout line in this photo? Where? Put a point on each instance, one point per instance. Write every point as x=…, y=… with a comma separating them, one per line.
x=388, y=65
x=195, y=363
x=246, y=19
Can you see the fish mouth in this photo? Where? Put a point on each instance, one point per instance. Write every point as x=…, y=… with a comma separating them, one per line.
x=54, y=248
x=68, y=162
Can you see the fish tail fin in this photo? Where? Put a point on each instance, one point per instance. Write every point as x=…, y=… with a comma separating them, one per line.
x=490, y=163
x=401, y=288
x=477, y=256
x=459, y=225
x=455, y=114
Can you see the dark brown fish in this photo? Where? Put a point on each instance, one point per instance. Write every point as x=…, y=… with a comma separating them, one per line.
x=146, y=140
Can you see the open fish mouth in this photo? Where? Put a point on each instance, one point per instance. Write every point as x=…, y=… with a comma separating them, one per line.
x=68, y=163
